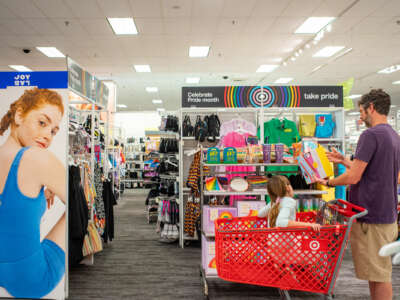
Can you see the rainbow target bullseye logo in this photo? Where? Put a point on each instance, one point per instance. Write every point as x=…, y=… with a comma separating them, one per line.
x=314, y=245
x=262, y=97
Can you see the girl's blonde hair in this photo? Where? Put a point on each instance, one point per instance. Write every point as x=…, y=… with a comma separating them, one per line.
x=30, y=100
x=276, y=187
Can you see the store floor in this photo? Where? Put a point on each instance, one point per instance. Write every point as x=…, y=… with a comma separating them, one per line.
x=136, y=266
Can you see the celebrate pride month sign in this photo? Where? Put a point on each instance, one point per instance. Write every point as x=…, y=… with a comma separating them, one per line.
x=33, y=236
x=266, y=96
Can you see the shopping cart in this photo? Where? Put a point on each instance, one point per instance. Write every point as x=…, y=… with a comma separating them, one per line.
x=249, y=252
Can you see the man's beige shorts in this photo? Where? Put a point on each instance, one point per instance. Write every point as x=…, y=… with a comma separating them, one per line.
x=366, y=241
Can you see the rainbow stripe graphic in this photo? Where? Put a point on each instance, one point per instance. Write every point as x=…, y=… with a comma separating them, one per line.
x=251, y=96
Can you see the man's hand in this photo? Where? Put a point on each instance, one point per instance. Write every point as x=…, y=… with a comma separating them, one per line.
x=335, y=156
x=49, y=197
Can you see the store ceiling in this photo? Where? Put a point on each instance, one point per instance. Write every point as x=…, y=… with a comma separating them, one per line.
x=242, y=34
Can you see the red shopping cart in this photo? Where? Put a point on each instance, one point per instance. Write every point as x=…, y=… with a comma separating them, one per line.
x=247, y=251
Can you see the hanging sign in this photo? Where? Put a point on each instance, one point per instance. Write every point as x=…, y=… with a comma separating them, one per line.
x=32, y=261
x=84, y=83
x=267, y=96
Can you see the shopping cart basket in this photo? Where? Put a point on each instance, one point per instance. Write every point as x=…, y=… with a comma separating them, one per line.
x=290, y=258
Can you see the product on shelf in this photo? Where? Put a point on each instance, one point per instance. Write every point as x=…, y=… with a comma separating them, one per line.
x=213, y=155
x=257, y=181
x=256, y=154
x=230, y=155
x=208, y=256
x=239, y=184
x=325, y=125
x=213, y=184
x=307, y=125
x=212, y=213
x=248, y=208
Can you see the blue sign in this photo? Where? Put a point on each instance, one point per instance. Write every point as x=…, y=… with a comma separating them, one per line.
x=43, y=80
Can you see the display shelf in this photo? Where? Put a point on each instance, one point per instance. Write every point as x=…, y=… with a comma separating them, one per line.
x=250, y=165
x=208, y=234
x=132, y=180
x=260, y=193
x=192, y=138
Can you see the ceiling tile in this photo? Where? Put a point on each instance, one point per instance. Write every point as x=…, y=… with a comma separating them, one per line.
x=370, y=25
x=389, y=9
x=331, y=8
x=177, y=46
x=203, y=25
x=238, y=8
x=70, y=27
x=23, y=8
x=43, y=26
x=258, y=25
x=177, y=8
x=286, y=24
x=150, y=26
x=54, y=8
x=148, y=8
x=85, y=9
x=154, y=46
x=97, y=27
x=177, y=26
x=207, y=8
x=229, y=26
x=303, y=8
x=5, y=13
x=115, y=8
x=268, y=8
x=19, y=27
x=365, y=8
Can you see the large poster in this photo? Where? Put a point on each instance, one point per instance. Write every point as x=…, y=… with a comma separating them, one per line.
x=33, y=184
x=267, y=96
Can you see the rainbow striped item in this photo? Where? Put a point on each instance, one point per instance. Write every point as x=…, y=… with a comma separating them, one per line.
x=253, y=96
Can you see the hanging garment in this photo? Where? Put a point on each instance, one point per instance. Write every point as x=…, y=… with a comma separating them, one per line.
x=325, y=125
x=28, y=268
x=109, y=202
x=99, y=202
x=236, y=125
x=193, y=180
x=192, y=213
x=235, y=139
x=78, y=213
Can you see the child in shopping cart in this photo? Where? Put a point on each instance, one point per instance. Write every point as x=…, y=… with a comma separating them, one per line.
x=281, y=211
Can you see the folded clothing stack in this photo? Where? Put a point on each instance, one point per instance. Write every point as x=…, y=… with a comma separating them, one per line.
x=257, y=182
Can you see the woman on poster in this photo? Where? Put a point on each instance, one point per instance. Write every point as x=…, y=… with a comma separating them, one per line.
x=30, y=268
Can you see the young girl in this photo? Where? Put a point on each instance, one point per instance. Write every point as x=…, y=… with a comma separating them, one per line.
x=281, y=211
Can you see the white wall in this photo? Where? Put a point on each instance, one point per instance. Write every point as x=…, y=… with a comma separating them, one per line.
x=135, y=123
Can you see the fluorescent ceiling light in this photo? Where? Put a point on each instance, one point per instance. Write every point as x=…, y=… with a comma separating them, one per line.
x=390, y=69
x=20, y=68
x=199, y=51
x=192, y=79
x=328, y=51
x=354, y=113
x=396, y=82
x=142, y=68
x=314, y=24
x=278, y=59
x=284, y=80
x=266, y=68
x=152, y=89
x=355, y=96
x=50, y=51
x=123, y=25
x=122, y=105
x=157, y=101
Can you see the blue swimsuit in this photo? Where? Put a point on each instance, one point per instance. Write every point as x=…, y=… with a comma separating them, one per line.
x=28, y=268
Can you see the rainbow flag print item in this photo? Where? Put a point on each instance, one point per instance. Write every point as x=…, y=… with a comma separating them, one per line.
x=315, y=163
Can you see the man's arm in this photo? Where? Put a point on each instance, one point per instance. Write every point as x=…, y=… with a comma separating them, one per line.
x=398, y=180
x=351, y=176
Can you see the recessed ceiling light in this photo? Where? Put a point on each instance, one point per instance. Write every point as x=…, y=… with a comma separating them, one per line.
x=192, y=79
x=328, y=51
x=390, y=69
x=20, y=68
x=122, y=106
x=396, y=82
x=266, y=68
x=284, y=80
x=122, y=26
x=157, y=101
x=199, y=51
x=142, y=68
x=314, y=24
x=50, y=51
x=355, y=96
x=152, y=89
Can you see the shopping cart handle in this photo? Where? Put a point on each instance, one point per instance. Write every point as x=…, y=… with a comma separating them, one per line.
x=350, y=209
